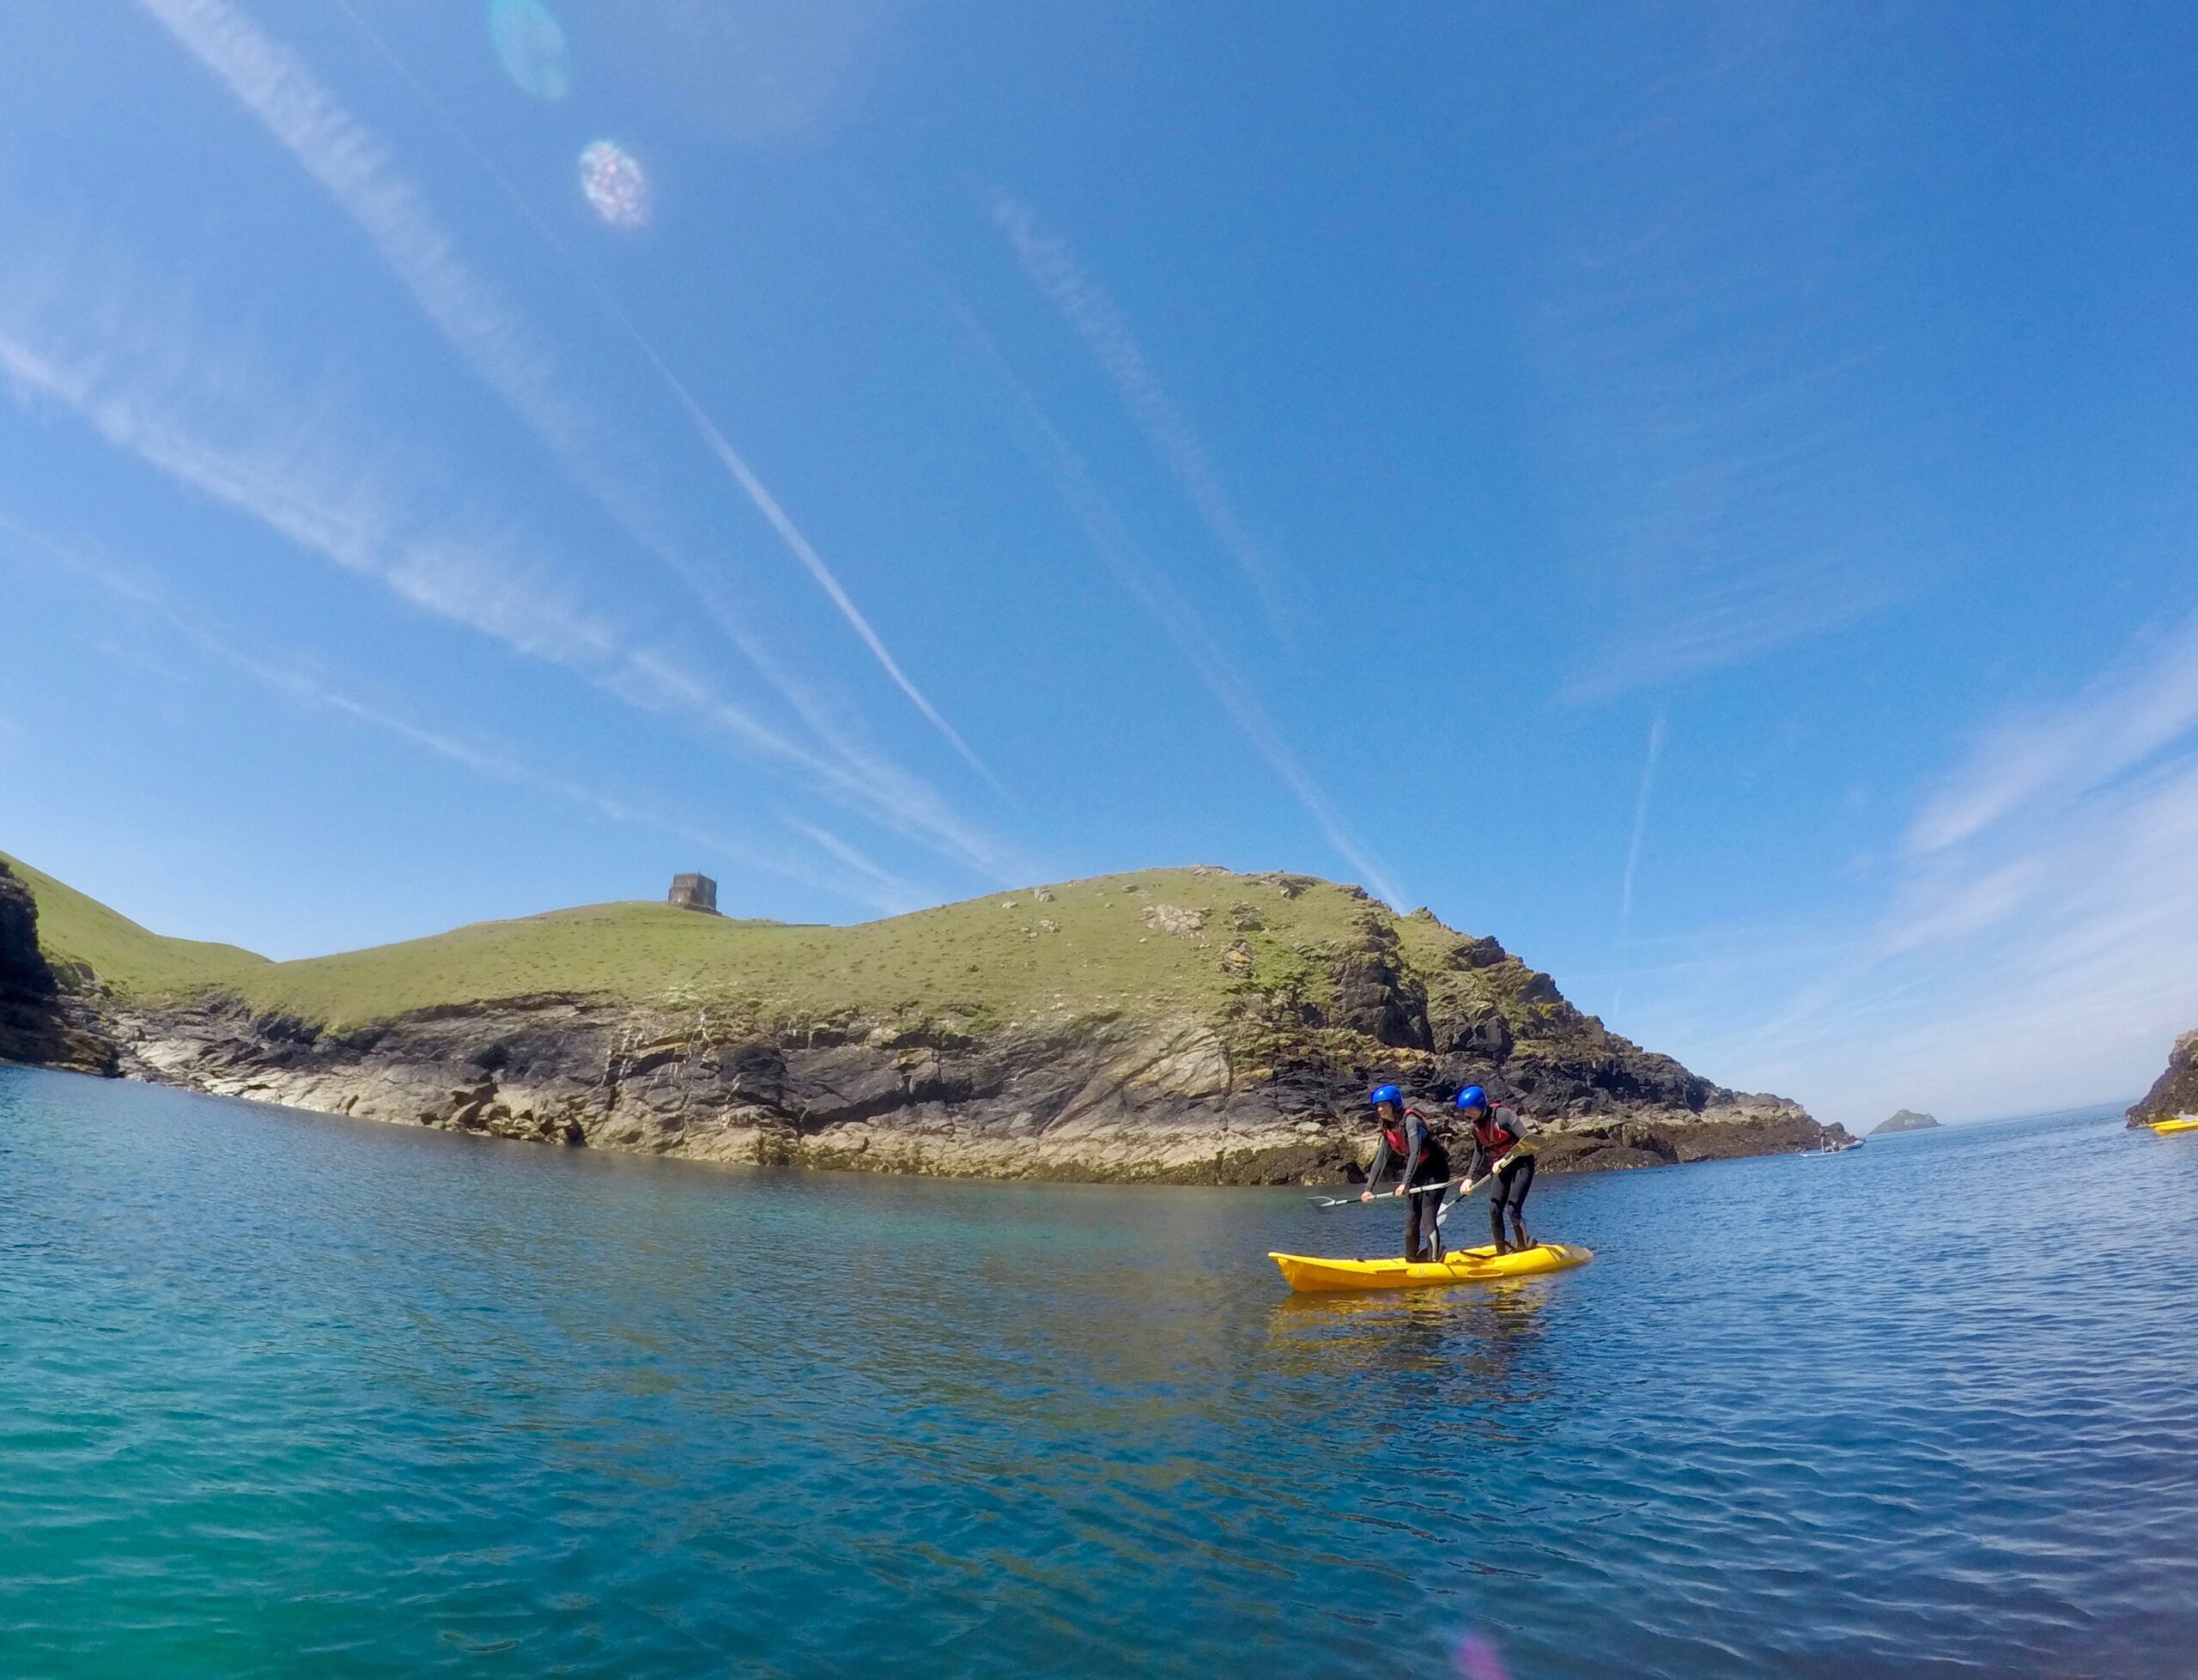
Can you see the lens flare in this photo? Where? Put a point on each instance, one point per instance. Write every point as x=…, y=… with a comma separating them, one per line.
x=530, y=43
x=614, y=185
x=1478, y=1659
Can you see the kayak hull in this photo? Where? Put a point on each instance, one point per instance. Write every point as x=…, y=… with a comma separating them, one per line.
x=2168, y=1128
x=1310, y=1275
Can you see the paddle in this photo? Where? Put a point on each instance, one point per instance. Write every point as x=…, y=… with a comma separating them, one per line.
x=1325, y=1202
x=1465, y=1189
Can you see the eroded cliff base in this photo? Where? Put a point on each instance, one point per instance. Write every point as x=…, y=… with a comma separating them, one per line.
x=1190, y=1026
x=1102, y=1101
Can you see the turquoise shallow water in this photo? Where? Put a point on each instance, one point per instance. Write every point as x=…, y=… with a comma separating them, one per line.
x=288, y=1395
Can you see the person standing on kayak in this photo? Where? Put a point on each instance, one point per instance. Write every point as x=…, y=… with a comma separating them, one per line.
x=1500, y=1149
x=1409, y=1143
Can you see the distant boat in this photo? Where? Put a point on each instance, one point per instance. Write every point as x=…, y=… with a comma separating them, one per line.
x=2180, y=1122
x=1826, y=1149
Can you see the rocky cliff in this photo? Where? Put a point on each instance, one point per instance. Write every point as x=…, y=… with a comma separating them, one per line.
x=1190, y=1026
x=39, y=1021
x=2175, y=1091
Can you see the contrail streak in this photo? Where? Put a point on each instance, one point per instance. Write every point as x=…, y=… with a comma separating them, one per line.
x=735, y=463
x=1118, y=549
x=1639, y=821
x=354, y=169
x=1085, y=304
x=324, y=509
x=865, y=884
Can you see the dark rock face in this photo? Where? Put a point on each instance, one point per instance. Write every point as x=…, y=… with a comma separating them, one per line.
x=2175, y=1091
x=1377, y=997
x=1269, y=1090
x=1108, y=1099
x=39, y=1022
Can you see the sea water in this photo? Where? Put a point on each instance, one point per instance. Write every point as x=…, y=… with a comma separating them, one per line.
x=285, y=1394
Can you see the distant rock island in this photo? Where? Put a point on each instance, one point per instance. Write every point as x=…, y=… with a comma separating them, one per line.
x=1180, y=1025
x=1906, y=1120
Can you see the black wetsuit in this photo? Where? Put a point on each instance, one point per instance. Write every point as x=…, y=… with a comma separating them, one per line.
x=1497, y=1146
x=1420, y=1158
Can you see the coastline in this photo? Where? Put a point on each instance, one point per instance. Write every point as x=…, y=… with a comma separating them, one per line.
x=1122, y=1037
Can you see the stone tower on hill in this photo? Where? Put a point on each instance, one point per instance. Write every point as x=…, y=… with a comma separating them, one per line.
x=693, y=892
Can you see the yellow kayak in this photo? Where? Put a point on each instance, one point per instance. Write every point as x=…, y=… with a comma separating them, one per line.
x=2181, y=1122
x=1464, y=1265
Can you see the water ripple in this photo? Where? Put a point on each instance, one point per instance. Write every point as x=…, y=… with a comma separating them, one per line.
x=280, y=1394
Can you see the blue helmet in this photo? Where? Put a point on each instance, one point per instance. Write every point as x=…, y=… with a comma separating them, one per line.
x=1472, y=1097
x=1382, y=1093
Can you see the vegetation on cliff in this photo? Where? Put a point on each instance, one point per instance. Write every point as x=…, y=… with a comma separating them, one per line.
x=91, y=947
x=1194, y=1000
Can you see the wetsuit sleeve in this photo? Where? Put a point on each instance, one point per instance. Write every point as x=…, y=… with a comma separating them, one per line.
x=1381, y=1163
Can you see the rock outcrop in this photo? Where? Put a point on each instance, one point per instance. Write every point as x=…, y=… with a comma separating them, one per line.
x=1105, y=1100
x=1905, y=1119
x=40, y=1023
x=1230, y=1040
x=2175, y=1091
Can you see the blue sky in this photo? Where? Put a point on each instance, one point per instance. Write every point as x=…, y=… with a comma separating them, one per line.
x=1703, y=493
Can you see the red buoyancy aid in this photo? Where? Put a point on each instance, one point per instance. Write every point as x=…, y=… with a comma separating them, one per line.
x=1397, y=1139
x=1496, y=1139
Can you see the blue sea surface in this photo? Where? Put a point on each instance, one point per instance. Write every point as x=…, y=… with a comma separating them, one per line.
x=282, y=1394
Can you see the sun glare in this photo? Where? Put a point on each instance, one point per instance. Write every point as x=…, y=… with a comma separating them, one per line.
x=614, y=185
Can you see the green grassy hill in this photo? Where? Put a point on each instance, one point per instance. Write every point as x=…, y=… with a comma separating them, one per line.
x=1142, y=944
x=1150, y=1007
x=79, y=933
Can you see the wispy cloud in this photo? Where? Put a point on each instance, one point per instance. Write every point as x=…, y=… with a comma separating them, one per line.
x=141, y=380
x=1701, y=385
x=355, y=170
x=871, y=787
x=1072, y=289
x=2032, y=946
x=1118, y=550
x=273, y=462
x=2117, y=723
x=1640, y=823
x=1702, y=615
x=290, y=677
x=894, y=894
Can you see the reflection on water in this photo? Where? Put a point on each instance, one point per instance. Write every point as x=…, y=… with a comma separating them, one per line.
x=280, y=1390
x=1475, y=1342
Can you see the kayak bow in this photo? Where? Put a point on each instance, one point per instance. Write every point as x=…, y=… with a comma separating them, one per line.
x=1306, y=1274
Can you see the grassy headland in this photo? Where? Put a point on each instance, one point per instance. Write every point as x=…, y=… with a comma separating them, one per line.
x=1175, y=1023
x=1153, y=941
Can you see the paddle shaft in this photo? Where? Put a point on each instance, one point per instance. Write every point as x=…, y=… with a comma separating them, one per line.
x=1324, y=1203
x=1327, y=1201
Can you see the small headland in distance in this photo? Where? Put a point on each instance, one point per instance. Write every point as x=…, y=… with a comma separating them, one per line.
x=1906, y=1120
x=2175, y=1093
x=1187, y=1025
